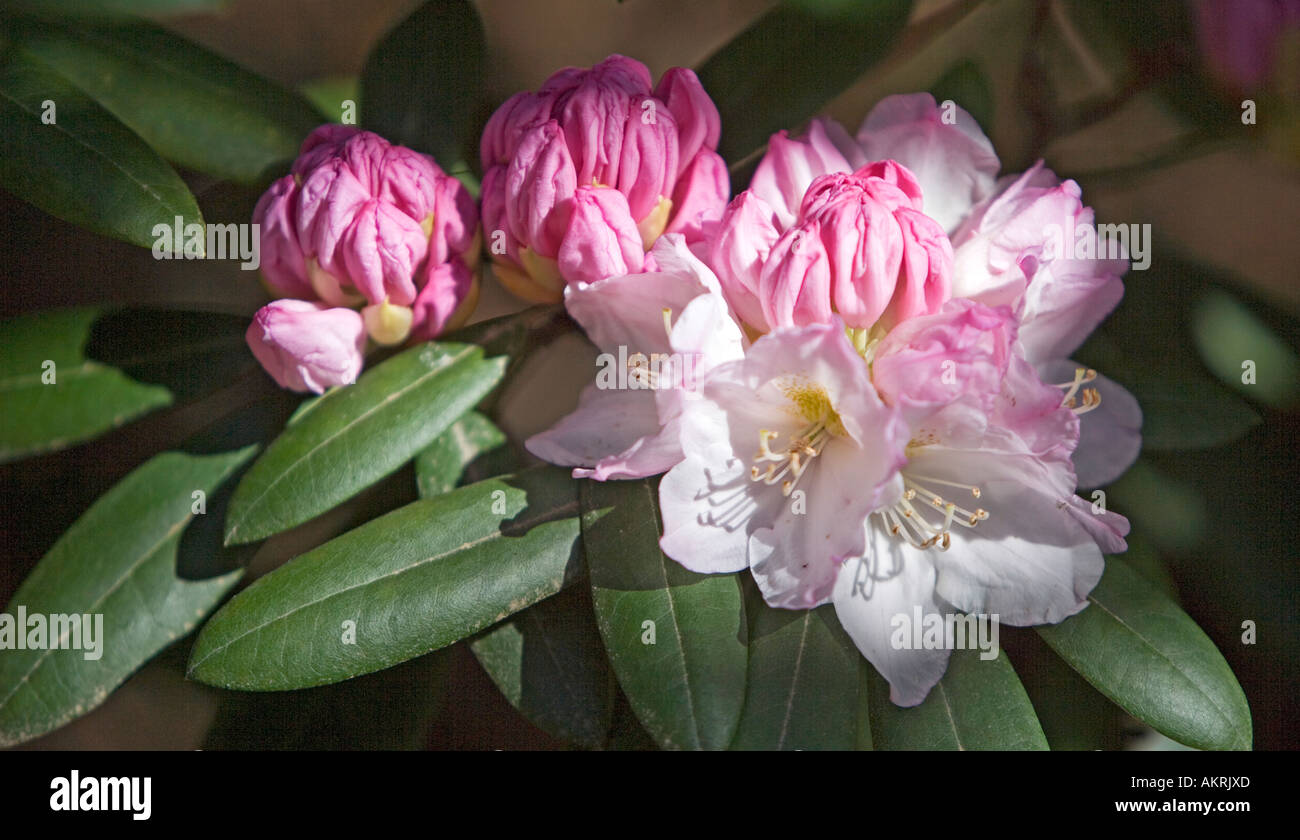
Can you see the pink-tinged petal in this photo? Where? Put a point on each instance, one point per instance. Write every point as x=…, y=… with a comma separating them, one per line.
x=381, y=251
x=539, y=188
x=795, y=287
x=455, y=222
x=1031, y=561
x=496, y=228
x=409, y=181
x=1110, y=435
x=1020, y=222
x=651, y=455
x=700, y=196
x=789, y=167
x=516, y=117
x=647, y=167
x=698, y=123
x=602, y=239
x=595, y=114
x=446, y=299
x=898, y=176
x=871, y=591
x=283, y=264
x=926, y=281
x=1065, y=301
x=307, y=346
x=607, y=421
x=865, y=244
x=954, y=163
x=739, y=249
x=930, y=361
x=1108, y=529
x=326, y=203
x=324, y=142
x=1032, y=410
x=627, y=310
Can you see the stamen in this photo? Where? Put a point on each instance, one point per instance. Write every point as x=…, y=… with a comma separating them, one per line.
x=668, y=322
x=793, y=460
x=1081, y=377
x=906, y=520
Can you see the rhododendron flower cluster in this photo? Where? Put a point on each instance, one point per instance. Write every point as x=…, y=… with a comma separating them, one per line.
x=886, y=417
x=854, y=376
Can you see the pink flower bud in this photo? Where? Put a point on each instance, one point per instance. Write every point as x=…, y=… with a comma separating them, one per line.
x=601, y=128
x=859, y=247
x=362, y=222
x=307, y=346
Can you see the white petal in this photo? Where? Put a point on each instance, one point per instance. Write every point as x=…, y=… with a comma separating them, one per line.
x=888, y=581
x=1030, y=562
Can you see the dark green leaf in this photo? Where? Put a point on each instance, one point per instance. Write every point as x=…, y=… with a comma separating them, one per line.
x=357, y=435
x=549, y=663
x=85, y=167
x=1139, y=649
x=687, y=687
x=85, y=399
x=191, y=105
x=440, y=465
x=802, y=692
x=119, y=561
x=411, y=581
x=420, y=86
x=978, y=705
x=791, y=62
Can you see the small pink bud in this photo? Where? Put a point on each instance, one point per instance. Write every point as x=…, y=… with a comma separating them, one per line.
x=307, y=346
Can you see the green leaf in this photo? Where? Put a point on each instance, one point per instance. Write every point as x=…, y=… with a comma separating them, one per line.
x=117, y=561
x=357, y=435
x=439, y=466
x=191, y=105
x=978, y=705
x=802, y=692
x=1228, y=335
x=85, y=399
x=549, y=663
x=108, y=9
x=1137, y=647
x=1190, y=415
x=687, y=687
x=85, y=166
x=420, y=86
x=414, y=580
x=791, y=62
x=329, y=93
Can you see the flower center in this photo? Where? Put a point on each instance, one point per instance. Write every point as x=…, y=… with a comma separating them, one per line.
x=910, y=522
x=787, y=464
